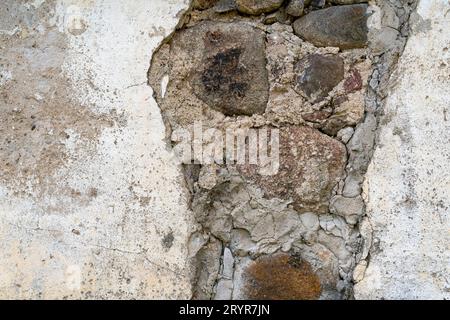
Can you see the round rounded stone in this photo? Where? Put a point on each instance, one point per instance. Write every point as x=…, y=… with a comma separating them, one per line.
x=257, y=7
x=317, y=75
x=232, y=76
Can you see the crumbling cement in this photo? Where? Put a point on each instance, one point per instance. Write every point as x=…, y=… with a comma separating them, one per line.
x=245, y=217
x=89, y=194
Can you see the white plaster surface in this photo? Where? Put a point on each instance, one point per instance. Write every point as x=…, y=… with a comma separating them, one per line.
x=407, y=187
x=112, y=220
x=110, y=245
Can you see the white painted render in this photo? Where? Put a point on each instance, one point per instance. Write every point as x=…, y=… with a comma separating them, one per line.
x=407, y=187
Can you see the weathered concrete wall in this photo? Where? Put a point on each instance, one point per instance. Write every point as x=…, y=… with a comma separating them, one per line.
x=407, y=187
x=306, y=74
x=91, y=203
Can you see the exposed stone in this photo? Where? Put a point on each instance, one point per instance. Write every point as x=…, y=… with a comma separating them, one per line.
x=227, y=264
x=384, y=28
x=353, y=82
x=270, y=18
x=232, y=77
x=256, y=7
x=359, y=271
x=224, y=290
x=270, y=223
x=224, y=287
x=346, y=1
x=317, y=75
x=318, y=4
x=241, y=243
x=336, y=245
x=311, y=164
x=279, y=16
x=349, y=208
x=310, y=221
x=207, y=177
x=348, y=110
x=203, y=4
x=225, y=71
x=295, y=8
x=324, y=264
x=207, y=269
x=281, y=277
x=366, y=231
x=333, y=225
x=224, y=6
x=339, y=26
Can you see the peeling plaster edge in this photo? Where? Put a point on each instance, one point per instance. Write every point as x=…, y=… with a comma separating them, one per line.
x=380, y=92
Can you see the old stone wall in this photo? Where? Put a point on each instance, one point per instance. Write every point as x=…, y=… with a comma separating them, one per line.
x=91, y=203
x=99, y=97
x=315, y=71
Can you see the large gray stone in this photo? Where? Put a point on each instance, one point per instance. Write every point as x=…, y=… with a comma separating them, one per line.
x=295, y=8
x=407, y=183
x=339, y=26
x=256, y=7
x=212, y=66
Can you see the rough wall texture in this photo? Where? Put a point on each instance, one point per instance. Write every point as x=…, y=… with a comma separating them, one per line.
x=322, y=68
x=94, y=203
x=91, y=204
x=407, y=187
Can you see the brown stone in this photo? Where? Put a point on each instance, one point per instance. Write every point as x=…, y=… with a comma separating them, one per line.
x=224, y=6
x=317, y=75
x=232, y=76
x=281, y=277
x=210, y=67
x=353, y=82
x=338, y=26
x=311, y=164
x=256, y=7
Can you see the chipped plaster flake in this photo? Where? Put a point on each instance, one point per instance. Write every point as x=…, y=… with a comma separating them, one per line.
x=100, y=235
x=408, y=182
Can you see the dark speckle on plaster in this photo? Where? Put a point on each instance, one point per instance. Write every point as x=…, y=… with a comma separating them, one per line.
x=167, y=240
